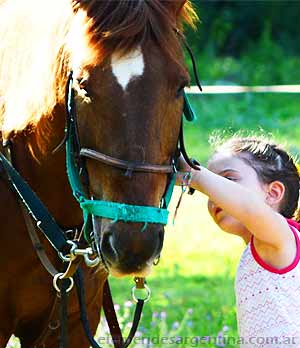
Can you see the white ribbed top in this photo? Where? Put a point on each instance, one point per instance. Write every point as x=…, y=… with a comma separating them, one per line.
x=268, y=301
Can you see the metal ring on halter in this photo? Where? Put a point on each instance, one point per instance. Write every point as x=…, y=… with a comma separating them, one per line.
x=54, y=325
x=91, y=262
x=71, y=256
x=156, y=261
x=148, y=293
x=57, y=277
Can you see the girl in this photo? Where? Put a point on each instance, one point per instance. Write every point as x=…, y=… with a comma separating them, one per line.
x=253, y=191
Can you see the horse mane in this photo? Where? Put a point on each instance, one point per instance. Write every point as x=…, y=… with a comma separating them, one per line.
x=41, y=40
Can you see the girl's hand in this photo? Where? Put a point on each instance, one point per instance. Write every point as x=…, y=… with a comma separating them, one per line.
x=183, y=170
x=182, y=166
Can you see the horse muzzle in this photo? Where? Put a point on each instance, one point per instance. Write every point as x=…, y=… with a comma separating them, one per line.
x=130, y=248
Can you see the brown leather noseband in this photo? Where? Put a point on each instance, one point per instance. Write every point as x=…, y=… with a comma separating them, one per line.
x=128, y=166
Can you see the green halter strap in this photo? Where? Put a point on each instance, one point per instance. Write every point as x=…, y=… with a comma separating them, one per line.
x=110, y=210
x=106, y=209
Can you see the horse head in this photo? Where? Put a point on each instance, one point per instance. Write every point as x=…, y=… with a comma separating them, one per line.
x=129, y=107
x=128, y=76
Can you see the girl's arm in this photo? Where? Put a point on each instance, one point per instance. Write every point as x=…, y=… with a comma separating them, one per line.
x=248, y=207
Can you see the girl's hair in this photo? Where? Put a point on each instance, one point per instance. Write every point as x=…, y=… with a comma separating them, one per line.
x=271, y=162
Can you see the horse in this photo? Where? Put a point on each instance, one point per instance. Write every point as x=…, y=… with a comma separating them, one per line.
x=128, y=79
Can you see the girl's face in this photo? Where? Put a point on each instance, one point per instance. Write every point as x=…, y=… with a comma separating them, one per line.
x=236, y=169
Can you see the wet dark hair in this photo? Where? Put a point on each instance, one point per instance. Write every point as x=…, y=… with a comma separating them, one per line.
x=271, y=162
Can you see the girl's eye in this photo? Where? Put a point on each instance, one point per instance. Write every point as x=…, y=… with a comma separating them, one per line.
x=232, y=179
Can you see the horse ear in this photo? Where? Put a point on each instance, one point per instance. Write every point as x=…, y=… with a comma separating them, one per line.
x=175, y=6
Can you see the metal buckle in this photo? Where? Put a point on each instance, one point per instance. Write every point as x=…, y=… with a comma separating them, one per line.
x=140, y=286
x=58, y=277
x=71, y=256
x=86, y=253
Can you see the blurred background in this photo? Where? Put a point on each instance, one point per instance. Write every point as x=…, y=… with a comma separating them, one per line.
x=247, y=42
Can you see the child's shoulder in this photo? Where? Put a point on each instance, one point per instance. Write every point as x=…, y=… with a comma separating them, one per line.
x=279, y=260
x=293, y=223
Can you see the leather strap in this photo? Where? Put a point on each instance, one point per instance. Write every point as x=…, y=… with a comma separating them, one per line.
x=41, y=253
x=20, y=185
x=129, y=166
x=53, y=324
x=35, y=207
x=38, y=246
x=112, y=319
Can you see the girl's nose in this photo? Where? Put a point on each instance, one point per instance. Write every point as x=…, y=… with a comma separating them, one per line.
x=211, y=206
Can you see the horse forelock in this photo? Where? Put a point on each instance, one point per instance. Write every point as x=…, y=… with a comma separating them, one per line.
x=40, y=40
x=122, y=26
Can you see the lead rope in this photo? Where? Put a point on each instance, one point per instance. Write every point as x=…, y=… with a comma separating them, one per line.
x=63, y=342
x=78, y=280
x=109, y=311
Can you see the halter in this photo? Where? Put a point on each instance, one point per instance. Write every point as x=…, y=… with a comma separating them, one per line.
x=106, y=209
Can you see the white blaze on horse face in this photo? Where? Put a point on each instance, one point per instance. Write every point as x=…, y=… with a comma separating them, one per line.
x=128, y=67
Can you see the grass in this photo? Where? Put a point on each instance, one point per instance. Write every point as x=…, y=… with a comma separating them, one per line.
x=193, y=286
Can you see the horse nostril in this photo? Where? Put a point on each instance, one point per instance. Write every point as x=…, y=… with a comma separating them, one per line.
x=130, y=251
x=160, y=242
x=107, y=247
x=161, y=236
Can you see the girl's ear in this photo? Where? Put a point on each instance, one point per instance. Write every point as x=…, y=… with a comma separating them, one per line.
x=275, y=193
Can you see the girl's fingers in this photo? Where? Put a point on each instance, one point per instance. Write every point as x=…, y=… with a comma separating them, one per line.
x=184, y=178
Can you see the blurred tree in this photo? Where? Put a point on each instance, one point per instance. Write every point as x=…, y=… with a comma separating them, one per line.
x=229, y=27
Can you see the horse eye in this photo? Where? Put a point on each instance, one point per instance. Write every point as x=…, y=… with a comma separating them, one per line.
x=84, y=86
x=82, y=82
